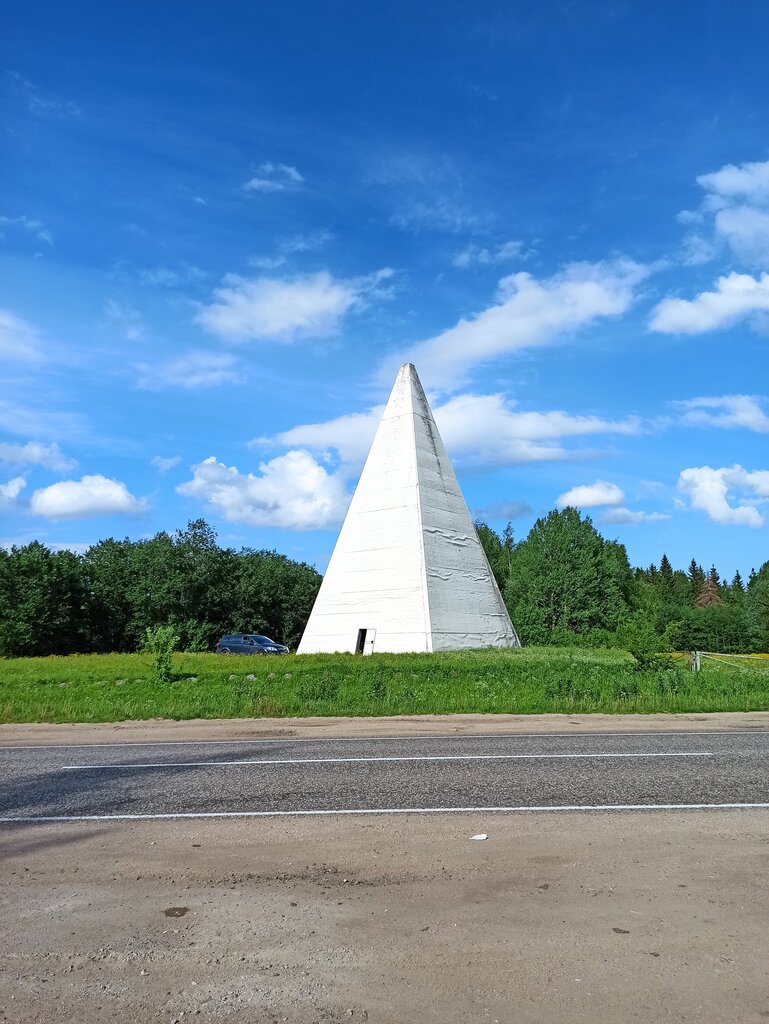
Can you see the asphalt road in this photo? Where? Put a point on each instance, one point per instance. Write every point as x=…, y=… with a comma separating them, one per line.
x=293, y=776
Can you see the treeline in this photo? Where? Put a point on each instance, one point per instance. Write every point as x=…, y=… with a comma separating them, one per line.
x=566, y=584
x=57, y=602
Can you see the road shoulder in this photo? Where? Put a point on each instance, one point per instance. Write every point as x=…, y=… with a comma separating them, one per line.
x=198, y=730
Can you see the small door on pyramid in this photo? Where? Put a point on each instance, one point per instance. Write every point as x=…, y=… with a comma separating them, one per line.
x=365, y=642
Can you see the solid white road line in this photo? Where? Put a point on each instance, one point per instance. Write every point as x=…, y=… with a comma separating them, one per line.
x=359, y=760
x=382, y=810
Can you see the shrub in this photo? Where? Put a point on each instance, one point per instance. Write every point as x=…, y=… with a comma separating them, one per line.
x=161, y=641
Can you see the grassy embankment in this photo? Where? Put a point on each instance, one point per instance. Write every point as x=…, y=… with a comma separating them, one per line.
x=117, y=687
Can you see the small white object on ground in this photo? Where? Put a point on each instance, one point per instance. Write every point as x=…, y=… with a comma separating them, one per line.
x=480, y=836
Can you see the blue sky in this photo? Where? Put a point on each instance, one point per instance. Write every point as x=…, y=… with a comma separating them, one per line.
x=222, y=228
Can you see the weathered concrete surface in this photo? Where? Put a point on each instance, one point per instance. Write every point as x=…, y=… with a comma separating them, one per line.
x=164, y=730
x=564, y=918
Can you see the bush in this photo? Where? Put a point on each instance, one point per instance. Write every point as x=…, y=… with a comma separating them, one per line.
x=161, y=641
x=644, y=646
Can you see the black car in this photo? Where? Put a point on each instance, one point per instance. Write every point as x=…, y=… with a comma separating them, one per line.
x=249, y=643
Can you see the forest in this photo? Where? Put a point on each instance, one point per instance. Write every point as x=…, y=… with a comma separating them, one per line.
x=564, y=584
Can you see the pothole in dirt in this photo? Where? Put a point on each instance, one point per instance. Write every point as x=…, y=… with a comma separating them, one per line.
x=176, y=911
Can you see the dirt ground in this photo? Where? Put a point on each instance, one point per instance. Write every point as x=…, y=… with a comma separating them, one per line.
x=163, y=730
x=575, y=918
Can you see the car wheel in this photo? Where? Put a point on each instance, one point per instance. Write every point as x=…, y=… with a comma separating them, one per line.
x=225, y=650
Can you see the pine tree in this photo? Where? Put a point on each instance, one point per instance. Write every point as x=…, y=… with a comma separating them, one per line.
x=696, y=579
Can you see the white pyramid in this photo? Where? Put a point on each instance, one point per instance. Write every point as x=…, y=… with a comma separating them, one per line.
x=408, y=572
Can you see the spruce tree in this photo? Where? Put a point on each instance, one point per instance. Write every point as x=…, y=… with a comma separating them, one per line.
x=696, y=576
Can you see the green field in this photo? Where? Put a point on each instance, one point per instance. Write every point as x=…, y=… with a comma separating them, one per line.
x=118, y=687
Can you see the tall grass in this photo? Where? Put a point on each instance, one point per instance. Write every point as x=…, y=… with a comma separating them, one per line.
x=119, y=687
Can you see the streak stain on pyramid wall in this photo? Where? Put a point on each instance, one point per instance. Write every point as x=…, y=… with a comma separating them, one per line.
x=408, y=572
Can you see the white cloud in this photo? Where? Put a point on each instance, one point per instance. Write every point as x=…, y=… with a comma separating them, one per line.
x=127, y=318
x=726, y=411
x=446, y=214
x=698, y=250
x=286, y=309
x=746, y=231
x=429, y=192
x=611, y=498
x=18, y=418
x=489, y=430
x=626, y=517
x=746, y=181
x=79, y=499
x=734, y=212
x=273, y=177
x=42, y=103
x=162, y=465
x=191, y=372
x=476, y=429
x=35, y=453
x=592, y=495
x=737, y=297
x=289, y=247
x=170, y=277
x=19, y=340
x=30, y=225
x=474, y=254
x=10, y=491
x=503, y=510
x=709, y=491
x=527, y=313
x=293, y=491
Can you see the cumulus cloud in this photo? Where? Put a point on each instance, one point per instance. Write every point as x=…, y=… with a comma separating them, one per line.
x=736, y=297
x=476, y=429
x=473, y=255
x=734, y=213
x=709, y=491
x=80, y=499
x=274, y=177
x=726, y=411
x=162, y=465
x=286, y=309
x=192, y=371
x=611, y=498
x=293, y=491
x=19, y=340
x=527, y=313
x=35, y=453
x=10, y=491
x=627, y=517
x=592, y=495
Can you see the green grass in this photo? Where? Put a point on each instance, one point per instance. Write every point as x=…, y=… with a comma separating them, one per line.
x=119, y=687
